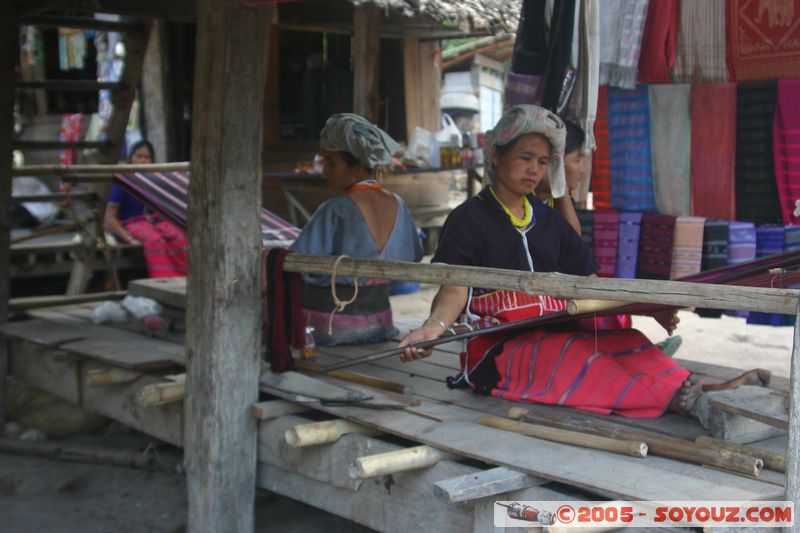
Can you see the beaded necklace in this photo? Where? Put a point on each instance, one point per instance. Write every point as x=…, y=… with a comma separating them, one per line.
x=515, y=220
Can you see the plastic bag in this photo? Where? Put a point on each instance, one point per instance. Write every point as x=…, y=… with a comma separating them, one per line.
x=449, y=131
x=419, y=147
x=141, y=307
x=112, y=312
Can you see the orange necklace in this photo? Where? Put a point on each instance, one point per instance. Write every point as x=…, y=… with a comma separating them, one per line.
x=364, y=185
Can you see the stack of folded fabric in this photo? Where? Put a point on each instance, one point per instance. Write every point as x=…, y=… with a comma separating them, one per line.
x=769, y=240
x=606, y=233
x=655, y=246
x=628, y=247
x=687, y=248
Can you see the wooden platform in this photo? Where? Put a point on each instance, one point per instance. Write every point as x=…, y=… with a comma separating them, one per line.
x=56, y=349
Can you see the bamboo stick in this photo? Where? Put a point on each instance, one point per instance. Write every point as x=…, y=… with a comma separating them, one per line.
x=354, y=377
x=99, y=377
x=396, y=461
x=327, y=432
x=772, y=460
x=161, y=394
x=628, y=447
x=661, y=445
x=45, y=232
x=35, y=302
x=61, y=170
x=673, y=293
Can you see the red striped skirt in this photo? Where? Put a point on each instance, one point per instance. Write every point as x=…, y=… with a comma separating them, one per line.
x=166, y=249
x=604, y=371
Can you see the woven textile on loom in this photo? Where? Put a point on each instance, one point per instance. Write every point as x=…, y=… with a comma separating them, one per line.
x=621, y=28
x=763, y=39
x=586, y=218
x=713, y=150
x=628, y=244
x=167, y=193
x=629, y=142
x=601, y=159
x=770, y=240
x=701, y=56
x=786, y=143
x=606, y=234
x=655, y=246
x=715, y=254
x=756, y=189
x=670, y=131
x=687, y=247
x=660, y=41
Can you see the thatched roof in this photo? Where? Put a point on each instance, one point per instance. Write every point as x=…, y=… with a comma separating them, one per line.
x=492, y=15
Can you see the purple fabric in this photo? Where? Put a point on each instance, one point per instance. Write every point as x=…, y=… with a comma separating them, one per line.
x=628, y=244
x=605, y=239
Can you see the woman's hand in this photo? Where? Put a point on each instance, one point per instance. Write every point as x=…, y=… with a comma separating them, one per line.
x=668, y=318
x=428, y=332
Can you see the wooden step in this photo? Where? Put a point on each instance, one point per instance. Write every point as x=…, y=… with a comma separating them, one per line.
x=68, y=85
x=60, y=145
x=45, y=21
x=56, y=197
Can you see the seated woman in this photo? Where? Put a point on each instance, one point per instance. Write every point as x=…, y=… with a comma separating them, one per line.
x=367, y=222
x=166, y=249
x=614, y=370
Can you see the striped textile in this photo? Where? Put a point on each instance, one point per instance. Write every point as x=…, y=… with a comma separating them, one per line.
x=701, y=43
x=660, y=41
x=670, y=133
x=791, y=239
x=628, y=245
x=687, y=248
x=715, y=255
x=770, y=239
x=621, y=28
x=586, y=218
x=756, y=189
x=601, y=158
x=655, y=246
x=166, y=249
x=629, y=141
x=166, y=193
x=763, y=39
x=786, y=135
x=523, y=89
x=606, y=233
x=741, y=248
x=713, y=150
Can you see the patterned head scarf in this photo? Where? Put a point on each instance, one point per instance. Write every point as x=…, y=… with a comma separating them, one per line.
x=347, y=132
x=521, y=120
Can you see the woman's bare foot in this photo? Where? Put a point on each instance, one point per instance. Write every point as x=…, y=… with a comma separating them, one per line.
x=686, y=396
x=758, y=377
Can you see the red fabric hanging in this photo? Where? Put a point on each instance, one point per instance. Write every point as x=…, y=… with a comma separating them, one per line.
x=660, y=41
x=601, y=158
x=713, y=108
x=786, y=146
x=762, y=39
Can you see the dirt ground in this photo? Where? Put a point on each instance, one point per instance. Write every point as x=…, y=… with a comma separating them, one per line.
x=65, y=497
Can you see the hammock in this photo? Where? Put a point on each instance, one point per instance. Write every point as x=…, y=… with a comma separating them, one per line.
x=166, y=193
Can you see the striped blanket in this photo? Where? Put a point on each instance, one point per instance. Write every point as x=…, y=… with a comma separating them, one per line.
x=628, y=246
x=605, y=236
x=670, y=131
x=770, y=240
x=167, y=193
x=601, y=158
x=687, y=249
x=655, y=247
x=786, y=135
x=701, y=43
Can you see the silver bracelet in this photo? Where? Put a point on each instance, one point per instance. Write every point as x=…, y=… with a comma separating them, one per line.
x=431, y=319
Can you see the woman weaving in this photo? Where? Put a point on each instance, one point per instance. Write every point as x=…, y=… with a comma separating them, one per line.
x=366, y=222
x=614, y=370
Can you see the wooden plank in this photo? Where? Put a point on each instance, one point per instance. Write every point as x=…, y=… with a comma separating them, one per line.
x=59, y=145
x=9, y=54
x=430, y=82
x=47, y=21
x=600, y=472
x=677, y=293
x=483, y=484
x=168, y=291
x=36, y=302
x=98, y=170
x=366, y=52
x=751, y=408
x=69, y=85
x=40, y=331
x=793, y=445
x=224, y=315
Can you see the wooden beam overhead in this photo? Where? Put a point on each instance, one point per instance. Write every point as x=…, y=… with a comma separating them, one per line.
x=366, y=53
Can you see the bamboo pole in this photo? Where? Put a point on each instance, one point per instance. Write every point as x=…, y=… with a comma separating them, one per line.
x=49, y=231
x=772, y=460
x=354, y=377
x=633, y=448
x=36, y=302
x=673, y=293
x=396, y=461
x=61, y=170
x=99, y=377
x=161, y=394
x=326, y=432
x=661, y=445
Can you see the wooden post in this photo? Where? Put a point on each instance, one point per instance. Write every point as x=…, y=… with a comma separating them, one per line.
x=223, y=312
x=272, y=107
x=793, y=446
x=366, y=51
x=422, y=84
x=155, y=91
x=8, y=61
x=411, y=88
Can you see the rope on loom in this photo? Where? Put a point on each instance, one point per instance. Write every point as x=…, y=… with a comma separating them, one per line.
x=340, y=305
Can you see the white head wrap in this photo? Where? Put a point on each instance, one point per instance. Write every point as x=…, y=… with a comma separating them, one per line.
x=521, y=120
x=348, y=132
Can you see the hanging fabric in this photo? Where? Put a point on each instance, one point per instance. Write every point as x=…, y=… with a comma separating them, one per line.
x=524, y=80
x=601, y=159
x=671, y=131
x=763, y=39
x=741, y=248
x=71, y=125
x=701, y=43
x=659, y=41
x=621, y=28
x=655, y=246
x=687, y=247
x=756, y=189
x=713, y=110
x=628, y=245
x=605, y=237
x=769, y=240
x=786, y=147
x=582, y=104
x=715, y=255
x=559, y=79
x=629, y=142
